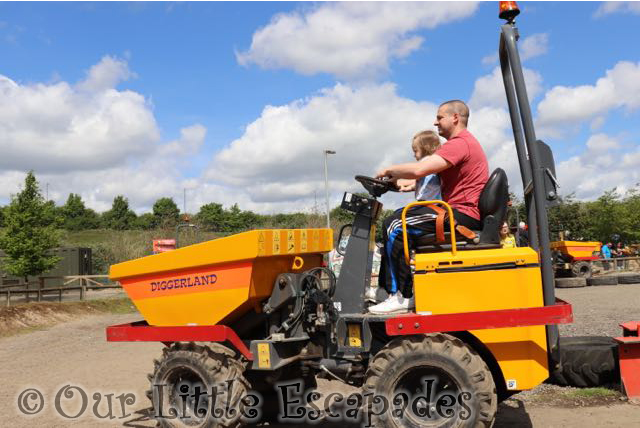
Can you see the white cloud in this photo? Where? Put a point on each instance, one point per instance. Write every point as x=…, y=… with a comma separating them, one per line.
x=530, y=47
x=609, y=7
x=490, y=59
x=56, y=127
x=488, y=90
x=106, y=75
x=600, y=167
x=534, y=45
x=565, y=108
x=142, y=180
x=350, y=39
x=190, y=141
x=278, y=162
x=280, y=155
x=90, y=138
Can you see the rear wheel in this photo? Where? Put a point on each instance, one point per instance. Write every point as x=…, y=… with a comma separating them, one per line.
x=587, y=361
x=185, y=380
x=581, y=269
x=418, y=374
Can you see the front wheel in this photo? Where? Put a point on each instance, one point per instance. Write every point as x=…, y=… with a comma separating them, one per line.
x=198, y=386
x=430, y=381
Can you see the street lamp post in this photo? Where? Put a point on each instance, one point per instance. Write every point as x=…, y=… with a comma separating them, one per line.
x=326, y=182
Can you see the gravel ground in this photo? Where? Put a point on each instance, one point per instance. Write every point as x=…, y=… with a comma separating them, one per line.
x=599, y=311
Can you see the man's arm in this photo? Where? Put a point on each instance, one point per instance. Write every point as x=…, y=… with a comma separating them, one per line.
x=429, y=165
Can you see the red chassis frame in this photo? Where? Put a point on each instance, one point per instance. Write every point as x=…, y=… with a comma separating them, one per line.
x=558, y=313
x=629, y=356
x=140, y=331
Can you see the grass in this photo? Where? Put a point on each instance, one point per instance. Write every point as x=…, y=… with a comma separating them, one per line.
x=592, y=393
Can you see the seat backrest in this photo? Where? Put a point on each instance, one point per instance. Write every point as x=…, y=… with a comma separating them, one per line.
x=493, y=206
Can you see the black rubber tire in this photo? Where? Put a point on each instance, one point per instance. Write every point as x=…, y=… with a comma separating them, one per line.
x=402, y=360
x=587, y=361
x=211, y=365
x=581, y=269
x=570, y=282
x=603, y=280
x=628, y=278
x=264, y=383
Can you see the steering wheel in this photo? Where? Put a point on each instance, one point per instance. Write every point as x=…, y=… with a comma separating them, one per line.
x=377, y=187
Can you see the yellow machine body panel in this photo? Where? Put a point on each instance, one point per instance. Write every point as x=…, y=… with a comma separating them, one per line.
x=219, y=280
x=576, y=248
x=486, y=280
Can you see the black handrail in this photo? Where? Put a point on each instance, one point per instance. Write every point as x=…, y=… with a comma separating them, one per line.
x=531, y=171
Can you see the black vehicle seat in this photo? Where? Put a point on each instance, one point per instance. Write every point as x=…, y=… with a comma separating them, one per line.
x=493, y=212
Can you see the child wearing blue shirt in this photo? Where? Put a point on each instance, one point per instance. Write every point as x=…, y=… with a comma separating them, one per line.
x=427, y=188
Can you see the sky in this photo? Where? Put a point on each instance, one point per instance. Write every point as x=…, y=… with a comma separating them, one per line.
x=237, y=101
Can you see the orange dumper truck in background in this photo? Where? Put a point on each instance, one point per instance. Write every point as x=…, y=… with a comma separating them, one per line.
x=574, y=258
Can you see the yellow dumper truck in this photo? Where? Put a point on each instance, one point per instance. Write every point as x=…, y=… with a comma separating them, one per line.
x=249, y=318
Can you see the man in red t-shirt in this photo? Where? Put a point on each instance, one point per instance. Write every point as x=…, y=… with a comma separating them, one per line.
x=463, y=169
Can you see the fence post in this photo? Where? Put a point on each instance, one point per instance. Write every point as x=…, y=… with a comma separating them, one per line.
x=60, y=294
x=83, y=289
x=8, y=297
x=40, y=287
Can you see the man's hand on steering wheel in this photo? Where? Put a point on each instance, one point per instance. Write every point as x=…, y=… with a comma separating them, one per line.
x=382, y=174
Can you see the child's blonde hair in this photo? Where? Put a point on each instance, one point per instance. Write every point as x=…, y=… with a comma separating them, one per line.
x=427, y=142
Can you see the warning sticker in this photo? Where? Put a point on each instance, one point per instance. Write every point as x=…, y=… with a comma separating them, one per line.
x=291, y=245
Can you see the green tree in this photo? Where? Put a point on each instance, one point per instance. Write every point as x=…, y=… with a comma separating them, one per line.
x=146, y=221
x=605, y=216
x=212, y=216
x=166, y=212
x=76, y=216
x=630, y=222
x=570, y=216
x=119, y=217
x=30, y=232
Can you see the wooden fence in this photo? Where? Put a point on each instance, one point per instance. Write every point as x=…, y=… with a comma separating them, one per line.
x=85, y=282
x=617, y=264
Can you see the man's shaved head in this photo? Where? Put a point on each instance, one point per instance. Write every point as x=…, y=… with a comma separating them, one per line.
x=459, y=107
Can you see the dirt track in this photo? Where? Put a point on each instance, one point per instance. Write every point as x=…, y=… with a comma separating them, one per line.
x=76, y=353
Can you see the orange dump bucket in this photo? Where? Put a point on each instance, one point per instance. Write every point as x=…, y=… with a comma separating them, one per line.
x=576, y=249
x=217, y=281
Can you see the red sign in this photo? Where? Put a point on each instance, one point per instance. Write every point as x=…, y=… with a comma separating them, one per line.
x=163, y=245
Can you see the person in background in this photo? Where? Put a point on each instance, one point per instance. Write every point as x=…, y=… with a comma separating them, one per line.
x=618, y=252
x=605, y=252
x=507, y=240
x=523, y=235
